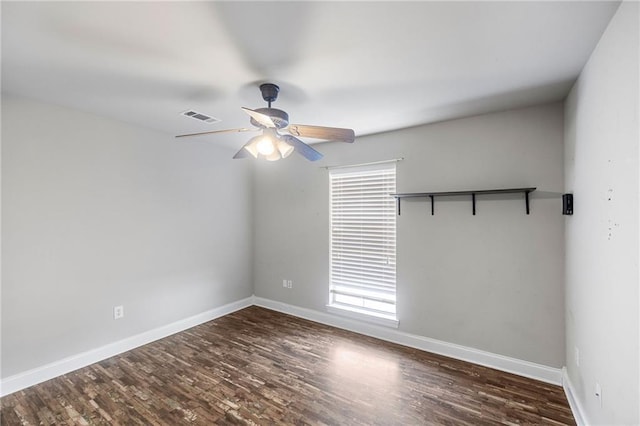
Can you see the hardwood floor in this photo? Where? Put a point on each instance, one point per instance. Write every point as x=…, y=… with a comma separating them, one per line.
x=257, y=366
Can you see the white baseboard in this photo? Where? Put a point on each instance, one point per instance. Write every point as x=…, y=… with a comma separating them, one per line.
x=499, y=362
x=487, y=359
x=574, y=403
x=37, y=375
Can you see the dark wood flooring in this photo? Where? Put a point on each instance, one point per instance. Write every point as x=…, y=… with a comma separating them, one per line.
x=257, y=366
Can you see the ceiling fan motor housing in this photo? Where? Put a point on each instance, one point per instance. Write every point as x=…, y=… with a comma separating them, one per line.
x=279, y=117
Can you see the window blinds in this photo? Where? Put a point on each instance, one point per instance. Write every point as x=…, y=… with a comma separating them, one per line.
x=363, y=239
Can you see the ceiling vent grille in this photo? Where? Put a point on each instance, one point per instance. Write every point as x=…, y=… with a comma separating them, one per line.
x=200, y=116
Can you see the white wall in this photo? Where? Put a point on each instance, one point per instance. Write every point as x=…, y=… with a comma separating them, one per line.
x=493, y=281
x=97, y=213
x=601, y=166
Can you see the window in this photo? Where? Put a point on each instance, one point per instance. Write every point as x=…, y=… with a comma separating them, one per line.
x=363, y=241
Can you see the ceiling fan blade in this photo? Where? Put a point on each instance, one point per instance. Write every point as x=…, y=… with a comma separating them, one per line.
x=318, y=132
x=218, y=131
x=265, y=120
x=302, y=148
x=243, y=153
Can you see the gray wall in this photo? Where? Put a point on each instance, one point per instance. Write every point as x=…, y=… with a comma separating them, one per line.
x=601, y=163
x=493, y=281
x=97, y=213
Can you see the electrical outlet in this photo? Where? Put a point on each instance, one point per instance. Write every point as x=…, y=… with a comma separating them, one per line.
x=289, y=284
x=118, y=312
x=577, y=353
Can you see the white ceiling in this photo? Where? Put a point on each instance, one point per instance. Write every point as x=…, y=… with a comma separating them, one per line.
x=370, y=66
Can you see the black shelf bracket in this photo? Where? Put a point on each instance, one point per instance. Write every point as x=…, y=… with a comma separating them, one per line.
x=473, y=193
x=473, y=201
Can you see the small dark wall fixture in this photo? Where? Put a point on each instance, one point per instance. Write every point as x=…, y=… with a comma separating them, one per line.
x=567, y=204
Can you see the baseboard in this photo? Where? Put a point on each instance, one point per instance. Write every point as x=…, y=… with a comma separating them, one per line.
x=487, y=359
x=574, y=403
x=28, y=378
x=499, y=362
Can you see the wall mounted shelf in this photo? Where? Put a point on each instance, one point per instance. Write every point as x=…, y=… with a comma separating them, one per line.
x=473, y=194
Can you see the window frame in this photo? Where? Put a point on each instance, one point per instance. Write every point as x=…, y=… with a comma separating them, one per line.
x=385, y=236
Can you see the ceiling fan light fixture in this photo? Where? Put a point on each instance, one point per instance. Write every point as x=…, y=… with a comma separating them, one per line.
x=267, y=143
x=284, y=148
x=274, y=156
x=265, y=146
x=251, y=146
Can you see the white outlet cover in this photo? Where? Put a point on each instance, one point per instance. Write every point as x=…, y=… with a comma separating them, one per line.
x=118, y=312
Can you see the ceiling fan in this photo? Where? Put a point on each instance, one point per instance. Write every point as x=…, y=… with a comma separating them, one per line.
x=271, y=144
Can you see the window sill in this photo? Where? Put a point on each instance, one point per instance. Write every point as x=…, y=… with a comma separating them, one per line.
x=384, y=320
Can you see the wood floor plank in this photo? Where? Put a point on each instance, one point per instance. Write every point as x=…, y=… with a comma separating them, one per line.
x=261, y=367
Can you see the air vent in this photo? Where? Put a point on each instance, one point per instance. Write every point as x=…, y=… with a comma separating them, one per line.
x=200, y=116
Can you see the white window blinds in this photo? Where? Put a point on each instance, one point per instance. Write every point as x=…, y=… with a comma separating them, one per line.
x=363, y=240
